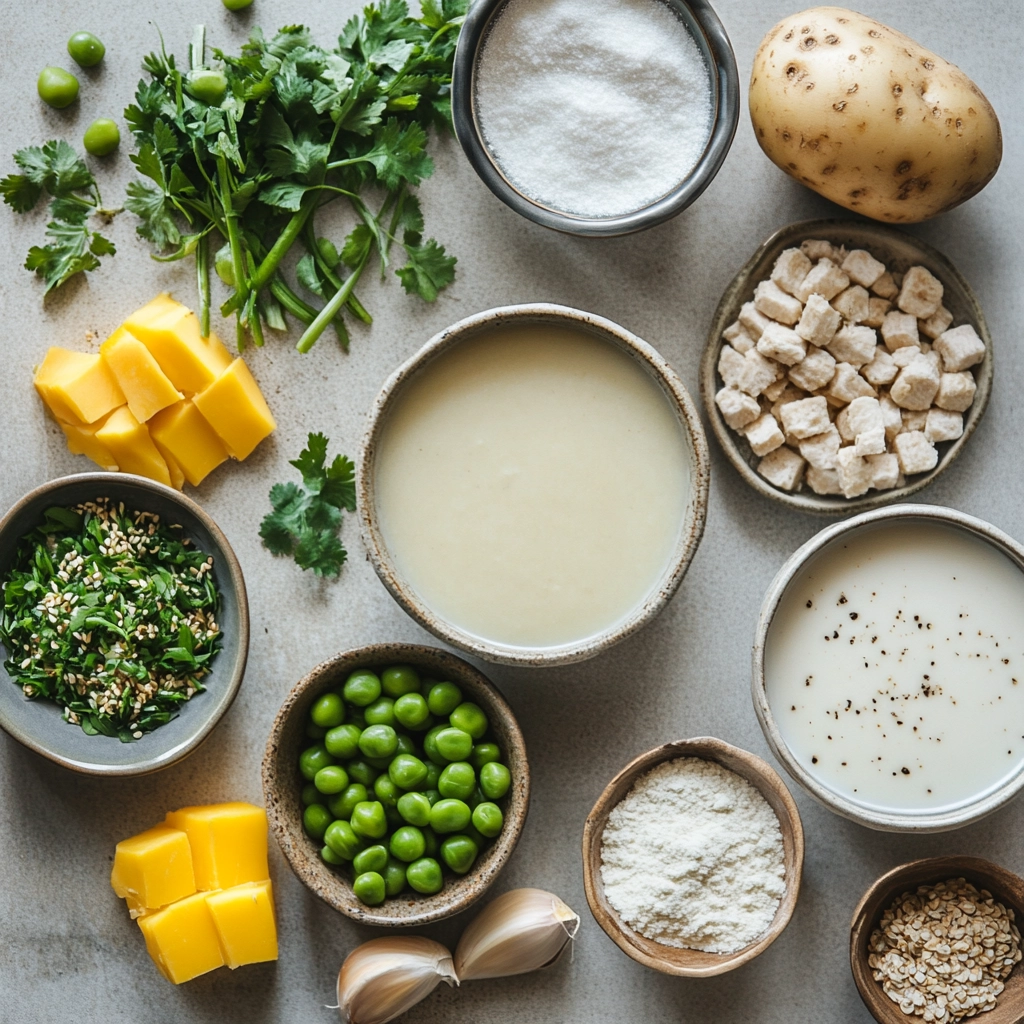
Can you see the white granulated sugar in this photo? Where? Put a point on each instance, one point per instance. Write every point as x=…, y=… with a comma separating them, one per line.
x=692, y=857
x=594, y=107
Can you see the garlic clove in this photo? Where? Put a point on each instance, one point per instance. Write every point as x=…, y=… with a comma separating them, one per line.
x=521, y=931
x=383, y=978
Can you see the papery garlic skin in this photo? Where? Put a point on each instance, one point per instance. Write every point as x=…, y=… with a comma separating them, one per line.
x=383, y=978
x=521, y=931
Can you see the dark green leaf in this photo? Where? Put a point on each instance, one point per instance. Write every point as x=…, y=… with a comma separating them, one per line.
x=20, y=192
x=285, y=195
x=156, y=212
x=321, y=552
x=357, y=245
x=428, y=271
x=398, y=154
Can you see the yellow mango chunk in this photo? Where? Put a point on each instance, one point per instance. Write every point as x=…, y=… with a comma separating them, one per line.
x=182, y=939
x=153, y=869
x=244, y=918
x=177, y=476
x=229, y=843
x=146, y=387
x=235, y=407
x=82, y=441
x=171, y=333
x=182, y=433
x=129, y=442
x=77, y=387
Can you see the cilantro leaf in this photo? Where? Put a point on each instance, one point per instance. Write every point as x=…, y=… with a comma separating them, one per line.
x=154, y=207
x=429, y=270
x=20, y=192
x=320, y=551
x=399, y=154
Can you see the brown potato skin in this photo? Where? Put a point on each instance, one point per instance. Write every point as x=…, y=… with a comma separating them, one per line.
x=870, y=119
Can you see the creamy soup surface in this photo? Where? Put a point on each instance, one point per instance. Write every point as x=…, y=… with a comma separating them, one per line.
x=894, y=667
x=532, y=484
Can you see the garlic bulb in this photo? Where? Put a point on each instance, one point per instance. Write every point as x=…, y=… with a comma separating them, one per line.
x=383, y=978
x=521, y=931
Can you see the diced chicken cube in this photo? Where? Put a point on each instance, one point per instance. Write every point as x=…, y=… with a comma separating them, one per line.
x=818, y=249
x=823, y=481
x=737, y=336
x=790, y=269
x=738, y=409
x=782, y=467
x=920, y=294
x=870, y=442
x=854, y=473
x=773, y=391
x=960, y=348
x=757, y=373
x=917, y=384
x=776, y=304
x=916, y=453
x=877, y=308
x=943, y=425
x=861, y=267
x=764, y=435
x=854, y=344
x=815, y=370
x=906, y=355
x=892, y=417
x=938, y=322
x=847, y=384
x=899, y=330
x=913, y=419
x=789, y=394
x=864, y=414
x=820, y=450
x=731, y=366
x=805, y=418
x=956, y=391
x=819, y=321
x=825, y=279
x=885, y=471
x=885, y=287
x=852, y=303
x=782, y=344
x=752, y=320
x=881, y=370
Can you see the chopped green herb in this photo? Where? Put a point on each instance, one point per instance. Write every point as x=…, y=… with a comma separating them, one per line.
x=112, y=615
x=306, y=519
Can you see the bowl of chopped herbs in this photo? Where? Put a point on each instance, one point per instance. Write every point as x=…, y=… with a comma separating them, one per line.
x=124, y=625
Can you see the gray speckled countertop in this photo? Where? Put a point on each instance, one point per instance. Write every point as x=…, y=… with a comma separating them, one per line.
x=67, y=947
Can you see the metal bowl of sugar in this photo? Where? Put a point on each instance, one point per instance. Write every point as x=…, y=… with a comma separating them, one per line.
x=595, y=117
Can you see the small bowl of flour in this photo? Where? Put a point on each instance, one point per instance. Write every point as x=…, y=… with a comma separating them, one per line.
x=595, y=117
x=692, y=857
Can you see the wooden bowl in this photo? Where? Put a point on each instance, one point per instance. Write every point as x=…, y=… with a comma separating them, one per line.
x=692, y=963
x=282, y=786
x=1004, y=885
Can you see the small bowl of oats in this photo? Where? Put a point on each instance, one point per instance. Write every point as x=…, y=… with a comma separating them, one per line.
x=938, y=940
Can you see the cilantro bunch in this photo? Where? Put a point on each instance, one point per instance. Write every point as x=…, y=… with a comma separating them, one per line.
x=248, y=150
x=56, y=170
x=305, y=519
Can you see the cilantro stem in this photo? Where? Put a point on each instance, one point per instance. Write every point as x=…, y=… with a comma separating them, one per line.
x=231, y=223
x=354, y=304
x=332, y=306
x=203, y=282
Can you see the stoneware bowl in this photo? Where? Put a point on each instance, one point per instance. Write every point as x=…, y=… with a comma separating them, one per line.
x=692, y=963
x=898, y=251
x=882, y=820
x=693, y=519
x=1006, y=887
x=38, y=724
x=713, y=43
x=282, y=786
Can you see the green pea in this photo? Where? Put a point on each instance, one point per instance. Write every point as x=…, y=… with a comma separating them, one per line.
x=414, y=808
x=424, y=875
x=102, y=137
x=380, y=712
x=368, y=819
x=330, y=780
x=459, y=852
x=312, y=759
x=342, y=839
x=411, y=710
x=224, y=265
x=488, y=819
x=369, y=888
x=495, y=779
x=469, y=718
x=361, y=688
x=343, y=741
x=314, y=732
x=310, y=794
x=406, y=771
x=378, y=741
x=433, y=775
x=458, y=780
x=328, y=711
x=408, y=844
x=394, y=877
x=483, y=753
x=56, y=87
x=443, y=699
x=373, y=858
x=315, y=819
x=430, y=745
x=85, y=49
x=474, y=834
x=432, y=796
x=386, y=791
x=399, y=680
x=432, y=843
x=236, y=5
x=328, y=856
x=361, y=771
x=406, y=745
x=449, y=815
x=454, y=744
x=207, y=86
x=343, y=804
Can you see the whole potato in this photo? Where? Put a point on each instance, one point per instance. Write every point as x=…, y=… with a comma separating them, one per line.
x=870, y=119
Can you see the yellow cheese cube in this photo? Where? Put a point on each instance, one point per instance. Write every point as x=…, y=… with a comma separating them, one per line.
x=229, y=843
x=177, y=476
x=129, y=442
x=78, y=387
x=182, y=433
x=171, y=332
x=182, y=939
x=244, y=919
x=234, y=406
x=145, y=386
x=153, y=868
x=82, y=441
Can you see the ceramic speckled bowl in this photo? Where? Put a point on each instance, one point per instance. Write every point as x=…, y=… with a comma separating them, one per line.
x=693, y=518
x=38, y=724
x=282, y=786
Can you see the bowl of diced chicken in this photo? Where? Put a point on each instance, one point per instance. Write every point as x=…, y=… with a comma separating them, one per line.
x=846, y=367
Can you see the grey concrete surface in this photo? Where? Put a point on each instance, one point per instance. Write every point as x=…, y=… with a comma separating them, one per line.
x=67, y=947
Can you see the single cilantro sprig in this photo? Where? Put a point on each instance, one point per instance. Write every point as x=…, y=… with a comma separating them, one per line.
x=54, y=169
x=306, y=519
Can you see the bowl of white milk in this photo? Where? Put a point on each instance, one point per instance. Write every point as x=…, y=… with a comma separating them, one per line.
x=888, y=671
x=533, y=484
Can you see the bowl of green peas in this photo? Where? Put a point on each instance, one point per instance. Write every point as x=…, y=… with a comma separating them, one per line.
x=396, y=783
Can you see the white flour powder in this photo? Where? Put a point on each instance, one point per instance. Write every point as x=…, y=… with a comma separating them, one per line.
x=692, y=857
x=594, y=107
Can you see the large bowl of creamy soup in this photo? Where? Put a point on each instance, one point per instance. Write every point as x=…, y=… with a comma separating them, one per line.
x=888, y=670
x=533, y=484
